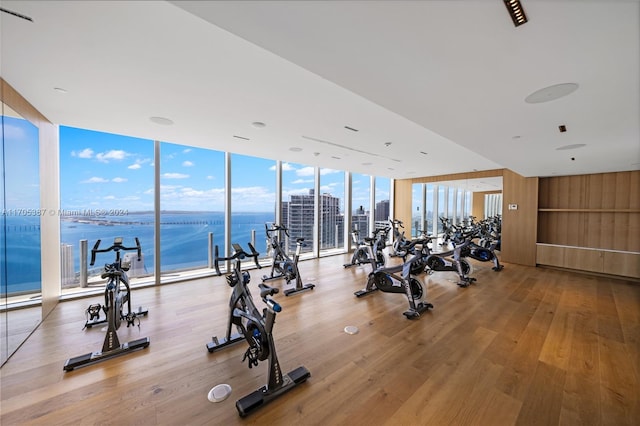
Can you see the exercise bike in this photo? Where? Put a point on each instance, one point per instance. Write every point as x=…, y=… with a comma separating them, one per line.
x=115, y=298
x=282, y=265
x=448, y=261
x=399, y=279
x=256, y=328
x=400, y=242
x=482, y=254
x=361, y=254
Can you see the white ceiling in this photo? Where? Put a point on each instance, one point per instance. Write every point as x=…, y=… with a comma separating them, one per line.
x=443, y=81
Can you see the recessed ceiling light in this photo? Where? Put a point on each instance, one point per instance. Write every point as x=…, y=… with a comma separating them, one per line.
x=387, y=144
x=295, y=149
x=315, y=154
x=423, y=153
x=350, y=128
x=551, y=93
x=367, y=164
x=336, y=158
x=161, y=120
x=258, y=124
x=60, y=90
x=573, y=146
x=516, y=137
x=241, y=137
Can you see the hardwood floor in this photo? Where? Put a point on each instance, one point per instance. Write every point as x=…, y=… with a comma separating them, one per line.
x=526, y=346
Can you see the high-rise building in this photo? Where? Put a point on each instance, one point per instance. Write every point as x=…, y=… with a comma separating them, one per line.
x=382, y=211
x=360, y=221
x=68, y=275
x=298, y=217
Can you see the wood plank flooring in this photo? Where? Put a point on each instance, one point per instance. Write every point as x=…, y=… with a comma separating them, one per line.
x=525, y=346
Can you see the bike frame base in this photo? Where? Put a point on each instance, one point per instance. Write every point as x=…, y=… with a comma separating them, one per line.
x=305, y=287
x=365, y=291
x=249, y=403
x=95, y=357
x=420, y=308
x=217, y=344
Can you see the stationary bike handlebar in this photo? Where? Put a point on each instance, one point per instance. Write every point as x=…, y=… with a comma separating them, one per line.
x=238, y=253
x=275, y=228
x=117, y=246
x=397, y=222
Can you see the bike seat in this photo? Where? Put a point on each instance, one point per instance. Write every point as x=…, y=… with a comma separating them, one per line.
x=299, y=240
x=266, y=290
x=111, y=274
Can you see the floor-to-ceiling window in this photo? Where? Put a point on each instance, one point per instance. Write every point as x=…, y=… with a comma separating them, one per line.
x=253, y=200
x=20, y=252
x=298, y=204
x=331, y=209
x=106, y=191
x=360, y=202
x=441, y=202
x=382, y=201
x=192, y=194
x=417, y=208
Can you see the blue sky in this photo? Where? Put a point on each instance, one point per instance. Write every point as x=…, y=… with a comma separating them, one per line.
x=21, y=164
x=107, y=171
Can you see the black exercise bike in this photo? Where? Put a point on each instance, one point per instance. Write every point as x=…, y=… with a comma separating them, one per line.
x=117, y=294
x=400, y=279
x=255, y=327
x=362, y=252
x=282, y=266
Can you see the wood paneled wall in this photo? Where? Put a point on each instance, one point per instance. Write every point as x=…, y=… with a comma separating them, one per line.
x=519, y=227
x=595, y=211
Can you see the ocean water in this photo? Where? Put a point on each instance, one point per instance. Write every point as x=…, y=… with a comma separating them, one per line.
x=184, y=238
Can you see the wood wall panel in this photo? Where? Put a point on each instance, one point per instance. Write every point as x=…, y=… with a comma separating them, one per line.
x=606, y=211
x=519, y=227
x=402, y=202
x=622, y=263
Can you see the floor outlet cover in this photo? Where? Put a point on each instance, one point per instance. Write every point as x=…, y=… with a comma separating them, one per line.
x=219, y=393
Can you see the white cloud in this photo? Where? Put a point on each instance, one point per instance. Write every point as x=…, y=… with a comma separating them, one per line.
x=329, y=171
x=175, y=176
x=298, y=181
x=210, y=177
x=286, y=167
x=135, y=166
x=95, y=180
x=305, y=171
x=114, y=154
x=118, y=180
x=186, y=150
x=187, y=164
x=85, y=153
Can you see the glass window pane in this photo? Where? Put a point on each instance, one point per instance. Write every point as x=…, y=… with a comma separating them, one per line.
x=382, y=202
x=253, y=200
x=430, y=208
x=21, y=269
x=360, y=201
x=417, y=208
x=192, y=195
x=106, y=191
x=298, y=204
x=442, y=207
x=331, y=209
